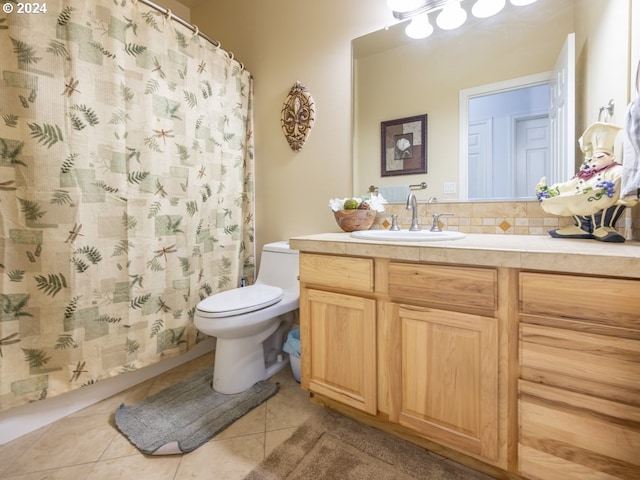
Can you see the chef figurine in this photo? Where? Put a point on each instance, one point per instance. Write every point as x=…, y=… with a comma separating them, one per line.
x=592, y=196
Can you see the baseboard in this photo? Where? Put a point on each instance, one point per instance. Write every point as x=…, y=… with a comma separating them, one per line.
x=21, y=420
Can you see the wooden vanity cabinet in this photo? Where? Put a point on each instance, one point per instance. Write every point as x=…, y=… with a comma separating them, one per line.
x=535, y=373
x=338, y=329
x=446, y=382
x=579, y=387
x=417, y=345
x=444, y=379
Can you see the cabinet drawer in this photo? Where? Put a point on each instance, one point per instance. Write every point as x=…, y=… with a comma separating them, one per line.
x=598, y=365
x=464, y=286
x=607, y=301
x=561, y=431
x=338, y=272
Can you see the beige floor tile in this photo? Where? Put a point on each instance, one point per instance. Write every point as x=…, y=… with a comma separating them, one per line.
x=70, y=441
x=285, y=378
x=195, y=365
x=181, y=372
x=65, y=473
x=252, y=422
x=120, y=446
x=139, y=466
x=290, y=407
x=228, y=459
x=10, y=452
x=87, y=445
x=274, y=438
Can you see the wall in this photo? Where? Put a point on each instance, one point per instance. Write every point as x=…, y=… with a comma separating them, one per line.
x=176, y=8
x=286, y=40
x=280, y=42
x=496, y=218
x=602, y=37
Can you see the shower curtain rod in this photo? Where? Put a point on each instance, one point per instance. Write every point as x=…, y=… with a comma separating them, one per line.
x=190, y=26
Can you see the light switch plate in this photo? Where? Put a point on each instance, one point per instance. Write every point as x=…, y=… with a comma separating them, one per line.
x=449, y=187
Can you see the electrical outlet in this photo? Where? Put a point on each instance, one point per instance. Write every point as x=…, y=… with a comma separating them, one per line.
x=449, y=187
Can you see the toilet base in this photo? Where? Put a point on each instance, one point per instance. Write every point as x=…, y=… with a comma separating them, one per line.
x=241, y=362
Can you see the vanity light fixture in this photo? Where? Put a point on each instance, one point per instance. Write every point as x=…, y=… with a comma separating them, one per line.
x=487, y=8
x=419, y=27
x=452, y=13
x=451, y=16
x=404, y=5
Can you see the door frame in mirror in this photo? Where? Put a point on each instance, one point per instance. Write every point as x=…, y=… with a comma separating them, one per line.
x=481, y=90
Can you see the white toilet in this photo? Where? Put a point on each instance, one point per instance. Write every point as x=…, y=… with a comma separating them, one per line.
x=251, y=323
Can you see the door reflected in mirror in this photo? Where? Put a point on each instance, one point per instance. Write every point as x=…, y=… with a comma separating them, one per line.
x=504, y=139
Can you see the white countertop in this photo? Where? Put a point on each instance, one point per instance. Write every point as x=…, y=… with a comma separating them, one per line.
x=532, y=252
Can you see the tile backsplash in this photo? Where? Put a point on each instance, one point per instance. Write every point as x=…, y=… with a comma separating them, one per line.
x=503, y=218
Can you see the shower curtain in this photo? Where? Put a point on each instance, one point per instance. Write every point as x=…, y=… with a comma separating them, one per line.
x=126, y=190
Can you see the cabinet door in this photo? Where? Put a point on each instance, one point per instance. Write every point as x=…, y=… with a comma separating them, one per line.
x=338, y=343
x=449, y=378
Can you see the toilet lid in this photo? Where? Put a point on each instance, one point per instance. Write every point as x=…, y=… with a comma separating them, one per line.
x=240, y=300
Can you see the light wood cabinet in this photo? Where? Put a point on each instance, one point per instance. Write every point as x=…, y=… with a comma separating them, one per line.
x=448, y=378
x=579, y=388
x=338, y=331
x=444, y=381
x=535, y=373
x=416, y=344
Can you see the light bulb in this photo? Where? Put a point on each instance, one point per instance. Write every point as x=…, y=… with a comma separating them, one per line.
x=404, y=5
x=419, y=27
x=521, y=3
x=487, y=8
x=451, y=16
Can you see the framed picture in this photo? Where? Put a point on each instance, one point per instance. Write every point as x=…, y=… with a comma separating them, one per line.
x=404, y=146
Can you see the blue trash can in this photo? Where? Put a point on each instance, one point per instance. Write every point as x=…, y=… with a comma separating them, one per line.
x=292, y=347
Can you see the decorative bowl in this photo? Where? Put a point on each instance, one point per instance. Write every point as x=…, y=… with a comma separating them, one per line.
x=352, y=220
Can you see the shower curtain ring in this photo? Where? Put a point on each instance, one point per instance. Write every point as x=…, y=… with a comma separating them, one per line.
x=196, y=31
x=168, y=14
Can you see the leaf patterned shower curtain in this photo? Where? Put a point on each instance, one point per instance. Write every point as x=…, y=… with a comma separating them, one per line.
x=126, y=191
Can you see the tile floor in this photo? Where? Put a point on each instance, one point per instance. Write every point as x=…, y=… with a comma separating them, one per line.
x=88, y=446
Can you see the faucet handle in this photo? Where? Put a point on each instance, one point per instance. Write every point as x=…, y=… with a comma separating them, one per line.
x=436, y=216
x=394, y=222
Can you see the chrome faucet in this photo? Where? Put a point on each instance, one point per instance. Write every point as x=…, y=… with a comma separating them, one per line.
x=412, y=204
x=436, y=216
x=394, y=223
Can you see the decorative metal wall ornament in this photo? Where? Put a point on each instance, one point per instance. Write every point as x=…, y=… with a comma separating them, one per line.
x=297, y=116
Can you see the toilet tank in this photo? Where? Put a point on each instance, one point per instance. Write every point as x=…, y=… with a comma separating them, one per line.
x=279, y=266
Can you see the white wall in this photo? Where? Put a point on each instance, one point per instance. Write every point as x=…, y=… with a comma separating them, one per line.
x=602, y=36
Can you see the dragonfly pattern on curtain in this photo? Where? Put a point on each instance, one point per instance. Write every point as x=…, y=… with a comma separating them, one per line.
x=126, y=191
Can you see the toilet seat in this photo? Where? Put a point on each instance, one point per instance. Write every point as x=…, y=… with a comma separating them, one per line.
x=239, y=300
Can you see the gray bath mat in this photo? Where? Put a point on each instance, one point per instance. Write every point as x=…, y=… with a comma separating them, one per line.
x=182, y=417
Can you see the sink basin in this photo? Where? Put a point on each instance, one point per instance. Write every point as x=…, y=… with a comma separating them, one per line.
x=406, y=235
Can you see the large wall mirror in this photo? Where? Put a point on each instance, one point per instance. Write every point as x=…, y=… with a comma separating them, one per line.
x=396, y=77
